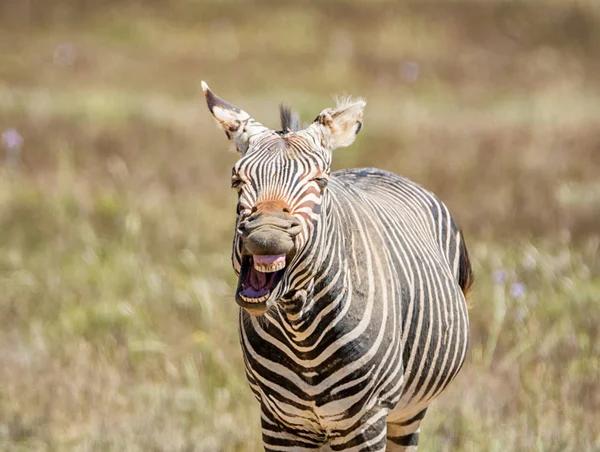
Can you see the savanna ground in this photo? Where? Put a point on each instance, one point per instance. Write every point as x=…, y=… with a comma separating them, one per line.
x=117, y=324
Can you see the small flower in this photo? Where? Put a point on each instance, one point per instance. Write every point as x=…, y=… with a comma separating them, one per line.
x=409, y=71
x=12, y=139
x=499, y=277
x=64, y=54
x=517, y=290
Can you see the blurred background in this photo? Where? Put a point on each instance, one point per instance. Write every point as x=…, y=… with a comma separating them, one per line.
x=117, y=321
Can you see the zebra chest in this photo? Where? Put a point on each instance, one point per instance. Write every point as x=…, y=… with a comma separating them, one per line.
x=321, y=383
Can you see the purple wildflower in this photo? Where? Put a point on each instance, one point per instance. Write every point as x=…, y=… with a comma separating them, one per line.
x=517, y=290
x=499, y=277
x=409, y=71
x=12, y=139
x=64, y=54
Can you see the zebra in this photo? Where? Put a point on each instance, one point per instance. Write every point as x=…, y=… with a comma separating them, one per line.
x=352, y=286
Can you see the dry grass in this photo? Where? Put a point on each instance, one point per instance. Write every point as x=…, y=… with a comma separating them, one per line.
x=117, y=326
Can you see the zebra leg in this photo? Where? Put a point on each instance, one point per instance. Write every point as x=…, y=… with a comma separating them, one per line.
x=368, y=436
x=403, y=436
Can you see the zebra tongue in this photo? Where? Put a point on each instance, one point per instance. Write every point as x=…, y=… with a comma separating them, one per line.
x=251, y=292
x=257, y=285
x=258, y=280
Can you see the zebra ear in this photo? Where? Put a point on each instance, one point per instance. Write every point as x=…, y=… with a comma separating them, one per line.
x=340, y=125
x=238, y=125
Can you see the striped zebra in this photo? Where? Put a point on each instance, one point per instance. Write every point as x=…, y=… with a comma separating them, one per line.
x=352, y=286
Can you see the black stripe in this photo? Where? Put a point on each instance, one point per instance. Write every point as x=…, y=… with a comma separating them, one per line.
x=406, y=440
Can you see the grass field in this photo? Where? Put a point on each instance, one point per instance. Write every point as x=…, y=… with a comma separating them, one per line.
x=117, y=322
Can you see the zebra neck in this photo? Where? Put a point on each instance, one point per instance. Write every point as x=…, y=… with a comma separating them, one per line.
x=325, y=279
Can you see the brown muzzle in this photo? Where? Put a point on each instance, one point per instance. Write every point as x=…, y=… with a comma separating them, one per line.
x=270, y=229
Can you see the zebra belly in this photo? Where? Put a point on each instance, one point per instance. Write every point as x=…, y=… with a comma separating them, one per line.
x=428, y=377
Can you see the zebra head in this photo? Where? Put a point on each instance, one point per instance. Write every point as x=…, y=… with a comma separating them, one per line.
x=281, y=179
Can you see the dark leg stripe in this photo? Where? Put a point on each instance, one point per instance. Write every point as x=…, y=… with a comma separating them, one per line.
x=406, y=440
x=270, y=441
x=415, y=418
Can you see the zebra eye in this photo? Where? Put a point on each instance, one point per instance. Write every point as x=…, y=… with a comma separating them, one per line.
x=322, y=182
x=236, y=182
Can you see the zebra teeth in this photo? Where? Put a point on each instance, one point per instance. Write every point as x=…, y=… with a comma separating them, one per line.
x=264, y=268
x=255, y=300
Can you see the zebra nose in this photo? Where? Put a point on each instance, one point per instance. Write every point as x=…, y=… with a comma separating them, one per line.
x=280, y=221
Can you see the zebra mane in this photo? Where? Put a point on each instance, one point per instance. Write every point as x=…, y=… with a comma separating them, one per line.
x=290, y=120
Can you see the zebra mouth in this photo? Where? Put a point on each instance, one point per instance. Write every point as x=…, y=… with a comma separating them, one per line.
x=259, y=277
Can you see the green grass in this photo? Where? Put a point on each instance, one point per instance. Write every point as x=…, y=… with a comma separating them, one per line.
x=118, y=330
